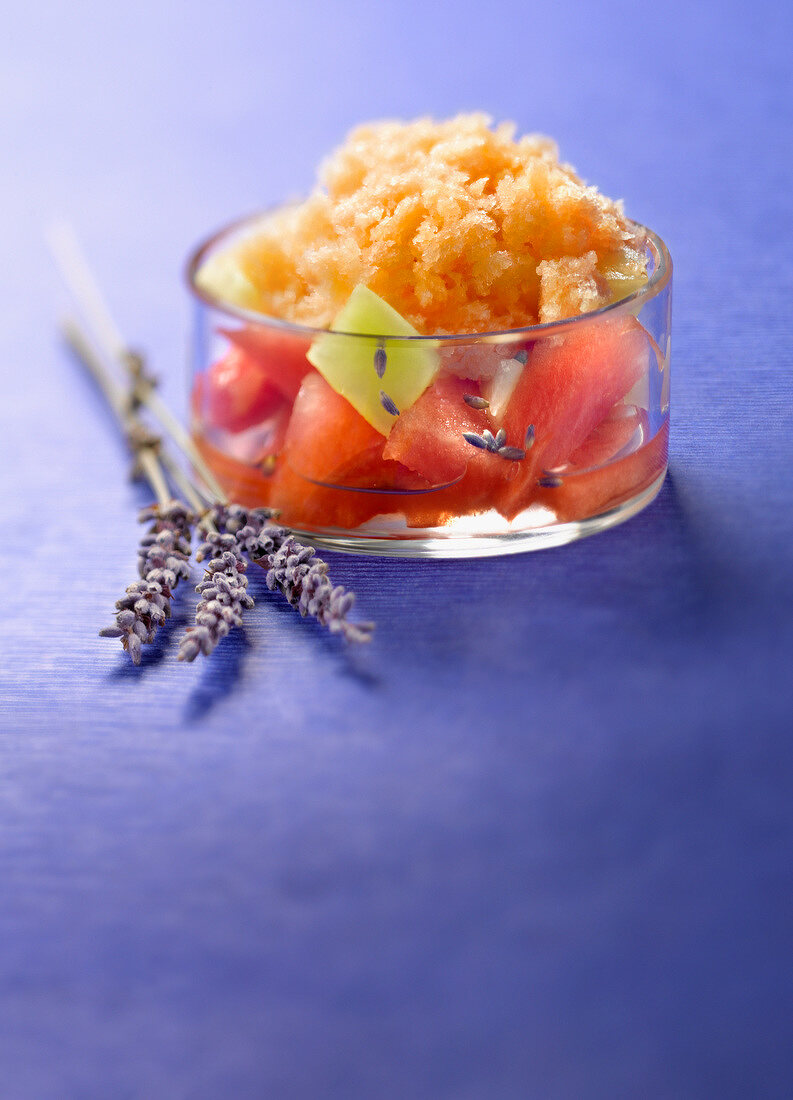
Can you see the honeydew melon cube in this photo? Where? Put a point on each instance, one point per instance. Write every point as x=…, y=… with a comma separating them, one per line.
x=348, y=363
x=221, y=276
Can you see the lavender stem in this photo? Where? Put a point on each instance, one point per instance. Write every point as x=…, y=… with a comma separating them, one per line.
x=80, y=280
x=77, y=275
x=143, y=445
x=183, y=484
x=152, y=469
x=147, y=395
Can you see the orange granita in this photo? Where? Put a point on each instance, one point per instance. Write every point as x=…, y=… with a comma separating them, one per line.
x=457, y=225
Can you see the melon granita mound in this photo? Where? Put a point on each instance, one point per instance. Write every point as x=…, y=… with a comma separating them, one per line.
x=457, y=225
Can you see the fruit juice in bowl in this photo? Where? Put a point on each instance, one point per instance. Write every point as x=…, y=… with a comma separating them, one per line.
x=357, y=365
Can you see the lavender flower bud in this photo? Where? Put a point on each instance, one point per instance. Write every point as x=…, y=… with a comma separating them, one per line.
x=163, y=554
x=223, y=596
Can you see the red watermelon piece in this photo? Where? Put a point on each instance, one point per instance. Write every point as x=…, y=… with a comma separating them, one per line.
x=235, y=393
x=246, y=484
x=568, y=387
x=625, y=425
x=281, y=354
x=329, y=441
x=332, y=464
x=590, y=492
x=428, y=437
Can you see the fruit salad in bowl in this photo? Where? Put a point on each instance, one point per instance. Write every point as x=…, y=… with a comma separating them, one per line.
x=452, y=347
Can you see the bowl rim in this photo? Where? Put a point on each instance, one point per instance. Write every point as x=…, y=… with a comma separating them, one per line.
x=657, y=282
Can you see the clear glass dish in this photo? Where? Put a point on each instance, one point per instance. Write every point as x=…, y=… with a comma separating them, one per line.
x=523, y=439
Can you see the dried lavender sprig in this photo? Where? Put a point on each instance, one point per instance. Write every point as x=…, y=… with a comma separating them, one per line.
x=292, y=568
x=146, y=447
x=197, y=501
x=223, y=589
x=163, y=556
x=79, y=278
x=164, y=551
x=303, y=579
x=223, y=596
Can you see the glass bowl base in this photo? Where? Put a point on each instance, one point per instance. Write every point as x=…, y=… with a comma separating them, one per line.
x=470, y=538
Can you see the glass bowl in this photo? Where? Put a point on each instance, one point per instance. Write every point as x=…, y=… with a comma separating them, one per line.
x=523, y=439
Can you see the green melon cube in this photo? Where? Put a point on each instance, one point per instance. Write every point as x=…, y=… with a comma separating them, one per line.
x=222, y=277
x=348, y=363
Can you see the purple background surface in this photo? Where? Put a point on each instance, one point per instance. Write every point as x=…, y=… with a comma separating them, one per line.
x=535, y=841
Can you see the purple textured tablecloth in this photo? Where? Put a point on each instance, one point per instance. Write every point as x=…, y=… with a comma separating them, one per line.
x=536, y=840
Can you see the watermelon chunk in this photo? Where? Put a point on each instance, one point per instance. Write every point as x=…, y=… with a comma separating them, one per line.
x=246, y=484
x=279, y=353
x=590, y=492
x=234, y=393
x=569, y=385
x=325, y=432
x=428, y=437
x=625, y=426
x=332, y=472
